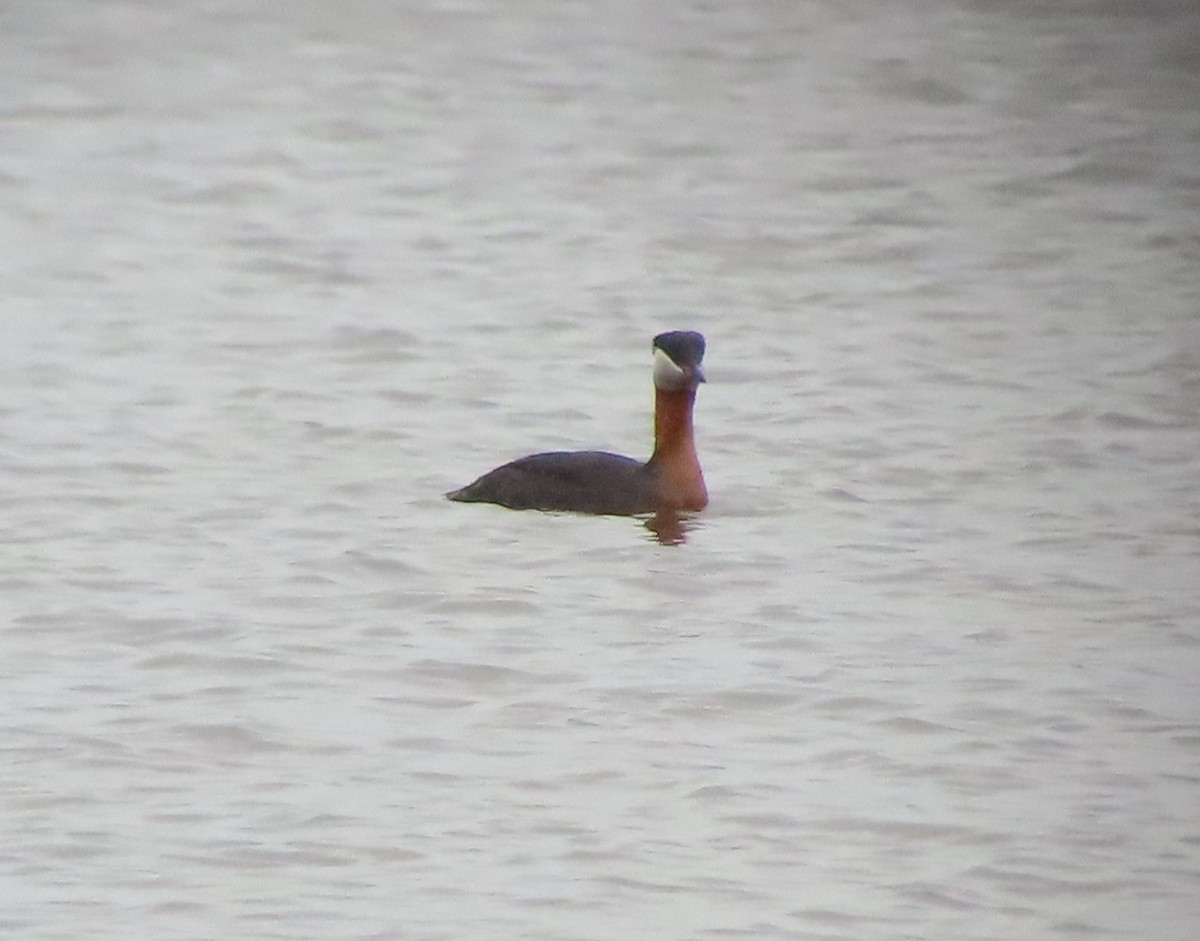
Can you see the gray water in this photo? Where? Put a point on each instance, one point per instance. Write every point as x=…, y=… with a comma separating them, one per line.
x=275, y=276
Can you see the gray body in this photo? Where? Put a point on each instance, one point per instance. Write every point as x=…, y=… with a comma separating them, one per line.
x=580, y=481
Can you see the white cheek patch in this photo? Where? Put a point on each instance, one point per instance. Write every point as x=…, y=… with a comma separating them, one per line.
x=667, y=376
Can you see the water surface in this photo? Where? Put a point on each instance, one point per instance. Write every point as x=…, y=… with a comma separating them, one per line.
x=275, y=280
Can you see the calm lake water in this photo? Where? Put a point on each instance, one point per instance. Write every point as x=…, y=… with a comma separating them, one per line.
x=275, y=277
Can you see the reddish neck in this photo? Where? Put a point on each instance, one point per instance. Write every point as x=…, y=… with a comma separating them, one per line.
x=675, y=450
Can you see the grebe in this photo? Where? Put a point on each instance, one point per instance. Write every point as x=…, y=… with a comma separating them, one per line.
x=600, y=482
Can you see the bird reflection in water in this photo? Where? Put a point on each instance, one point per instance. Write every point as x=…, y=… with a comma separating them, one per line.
x=669, y=527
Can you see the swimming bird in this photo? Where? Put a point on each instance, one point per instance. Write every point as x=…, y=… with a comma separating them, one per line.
x=605, y=483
